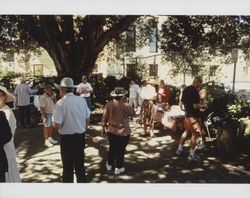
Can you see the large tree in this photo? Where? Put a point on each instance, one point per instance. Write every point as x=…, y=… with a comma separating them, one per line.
x=73, y=42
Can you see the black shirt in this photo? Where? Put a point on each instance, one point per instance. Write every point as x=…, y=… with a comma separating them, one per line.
x=5, y=137
x=191, y=96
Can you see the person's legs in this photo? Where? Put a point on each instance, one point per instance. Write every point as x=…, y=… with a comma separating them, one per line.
x=48, y=131
x=88, y=101
x=135, y=103
x=130, y=102
x=2, y=178
x=123, y=142
x=27, y=115
x=182, y=141
x=79, y=144
x=196, y=130
x=21, y=115
x=67, y=158
x=112, y=152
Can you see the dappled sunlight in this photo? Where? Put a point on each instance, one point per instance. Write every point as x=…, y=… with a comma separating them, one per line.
x=91, y=151
x=131, y=148
x=236, y=169
x=186, y=171
x=147, y=160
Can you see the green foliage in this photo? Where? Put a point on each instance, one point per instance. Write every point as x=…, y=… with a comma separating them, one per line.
x=8, y=79
x=240, y=109
x=103, y=86
x=190, y=41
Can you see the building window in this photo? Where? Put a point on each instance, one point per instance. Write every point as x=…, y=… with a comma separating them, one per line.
x=131, y=68
x=130, y=39
x=153, y=44
x=38, y=69
x=153, y=70
x=245, y=70
x=212, y=70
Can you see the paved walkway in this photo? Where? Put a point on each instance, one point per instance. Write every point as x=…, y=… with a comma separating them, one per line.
x=147, y=160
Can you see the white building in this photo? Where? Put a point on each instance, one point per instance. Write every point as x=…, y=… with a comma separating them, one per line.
x=149, y=59
x=28, y=64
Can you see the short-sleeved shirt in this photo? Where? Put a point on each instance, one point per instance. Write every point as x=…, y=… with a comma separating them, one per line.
x=190, y=96
x=47, y=103
x=148, y=92
x=133, y=91
x=71, y=113
x=116, y=116
x=22, y=92
x=85, y=86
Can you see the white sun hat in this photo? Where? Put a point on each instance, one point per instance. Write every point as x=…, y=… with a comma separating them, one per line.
x=10, y=96
x=66, y=82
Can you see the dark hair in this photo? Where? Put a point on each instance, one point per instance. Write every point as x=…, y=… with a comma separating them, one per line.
x=198, y=78
x=68, y=89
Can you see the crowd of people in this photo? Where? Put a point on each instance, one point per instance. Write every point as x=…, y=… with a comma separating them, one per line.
x=70, y=116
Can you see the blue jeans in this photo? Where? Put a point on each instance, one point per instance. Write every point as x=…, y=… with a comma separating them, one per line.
x=88, y=101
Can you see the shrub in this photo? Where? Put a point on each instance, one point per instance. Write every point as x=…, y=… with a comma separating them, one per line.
x=8, y=79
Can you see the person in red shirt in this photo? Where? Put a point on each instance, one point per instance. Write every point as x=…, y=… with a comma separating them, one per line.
x=163, y=93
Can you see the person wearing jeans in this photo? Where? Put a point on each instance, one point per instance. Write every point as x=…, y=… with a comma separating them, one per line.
x=115, y=123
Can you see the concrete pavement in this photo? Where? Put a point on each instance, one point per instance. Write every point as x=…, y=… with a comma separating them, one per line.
x=147, y=160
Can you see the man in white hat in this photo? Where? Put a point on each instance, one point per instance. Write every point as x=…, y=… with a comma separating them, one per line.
x=71, y=117
x=22, y=93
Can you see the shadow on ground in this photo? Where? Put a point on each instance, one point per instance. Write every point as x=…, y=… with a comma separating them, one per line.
x=147, y=160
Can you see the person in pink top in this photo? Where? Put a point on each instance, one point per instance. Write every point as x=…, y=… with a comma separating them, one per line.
x=115, y=123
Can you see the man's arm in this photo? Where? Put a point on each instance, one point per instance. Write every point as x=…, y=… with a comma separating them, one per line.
x=57, y=117
x=43, y=112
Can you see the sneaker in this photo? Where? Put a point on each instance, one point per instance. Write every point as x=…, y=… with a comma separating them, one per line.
x=179, y=152
x=108, y=167
x=52, y=141
x=194, y=157
x=119, y=170
x=201, y=146
x=47, y=143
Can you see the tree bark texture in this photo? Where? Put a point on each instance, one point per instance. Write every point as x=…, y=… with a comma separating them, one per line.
x=74, y=50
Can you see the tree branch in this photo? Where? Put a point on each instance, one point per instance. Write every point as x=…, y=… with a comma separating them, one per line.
x=114, y=31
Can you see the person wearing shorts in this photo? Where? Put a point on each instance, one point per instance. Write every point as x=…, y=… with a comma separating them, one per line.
x=47, y=107
x=192, y=123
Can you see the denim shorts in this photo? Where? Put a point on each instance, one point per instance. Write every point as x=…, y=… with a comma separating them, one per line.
x=48, y=121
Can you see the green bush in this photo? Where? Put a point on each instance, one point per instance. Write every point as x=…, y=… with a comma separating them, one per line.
x=7, y=79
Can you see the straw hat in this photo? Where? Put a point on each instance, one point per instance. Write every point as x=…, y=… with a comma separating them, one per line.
x=66, y=82
x=10, y=96
x=118, y=92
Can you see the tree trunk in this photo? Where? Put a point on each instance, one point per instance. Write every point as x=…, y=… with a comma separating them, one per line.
x=74, y=53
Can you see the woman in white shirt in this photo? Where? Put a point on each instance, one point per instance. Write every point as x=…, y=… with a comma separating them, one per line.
x=13, y=173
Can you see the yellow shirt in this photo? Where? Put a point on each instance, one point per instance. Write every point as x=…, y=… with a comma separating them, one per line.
x=47, y=103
